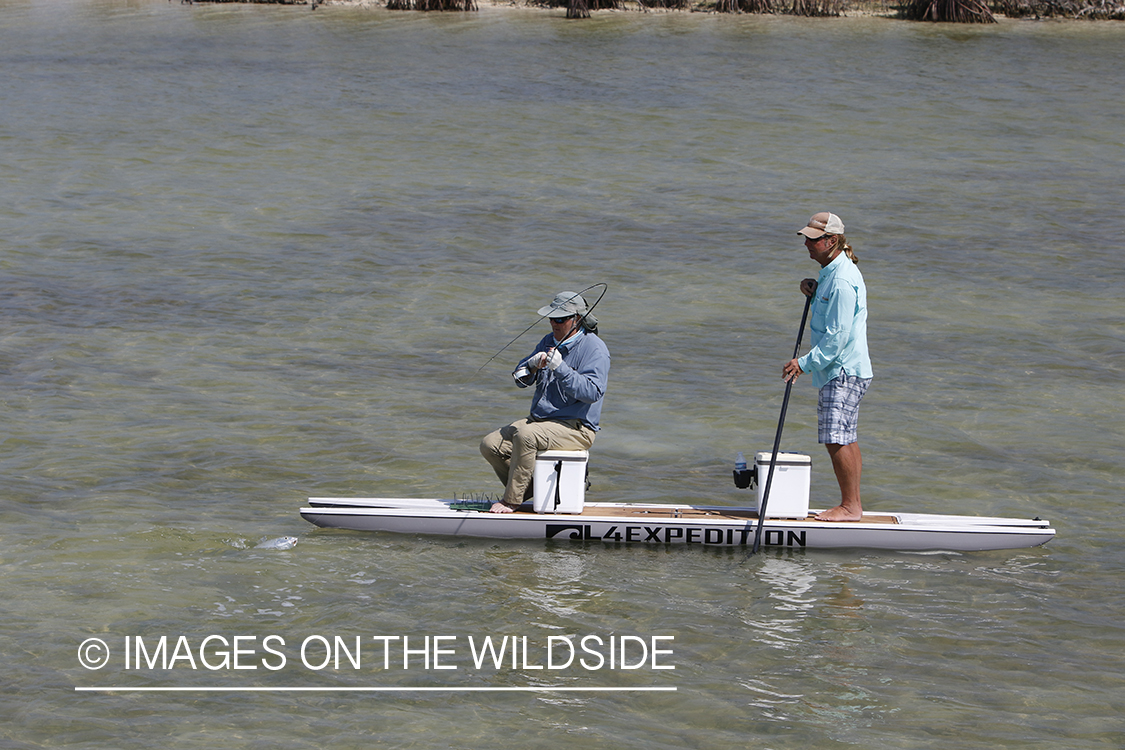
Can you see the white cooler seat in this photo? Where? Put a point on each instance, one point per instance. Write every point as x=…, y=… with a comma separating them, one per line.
x=789, y=492
x=559, y=481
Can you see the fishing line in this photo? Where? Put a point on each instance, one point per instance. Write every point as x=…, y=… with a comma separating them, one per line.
x=583, y=317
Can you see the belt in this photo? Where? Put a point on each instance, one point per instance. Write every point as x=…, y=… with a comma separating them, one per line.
x=574, y=424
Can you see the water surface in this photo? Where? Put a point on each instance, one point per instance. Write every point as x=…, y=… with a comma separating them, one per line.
x=252, y=254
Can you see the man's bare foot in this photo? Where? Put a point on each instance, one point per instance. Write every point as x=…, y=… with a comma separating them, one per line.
x=839, y=513
x=500, y=508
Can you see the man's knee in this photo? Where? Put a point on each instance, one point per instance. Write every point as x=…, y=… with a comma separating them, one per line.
x=490, y=444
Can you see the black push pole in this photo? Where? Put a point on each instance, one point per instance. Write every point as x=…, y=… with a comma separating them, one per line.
x=777, y=438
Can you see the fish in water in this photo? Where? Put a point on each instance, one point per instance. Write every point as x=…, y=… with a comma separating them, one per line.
x=281, y=542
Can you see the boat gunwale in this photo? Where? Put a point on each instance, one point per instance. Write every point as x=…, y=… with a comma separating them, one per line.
x=424, y=507
x=915, y=523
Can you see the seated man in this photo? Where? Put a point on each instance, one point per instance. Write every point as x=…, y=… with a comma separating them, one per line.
x=569, y=368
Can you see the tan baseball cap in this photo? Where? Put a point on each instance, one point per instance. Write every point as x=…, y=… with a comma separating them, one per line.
x=821, y=224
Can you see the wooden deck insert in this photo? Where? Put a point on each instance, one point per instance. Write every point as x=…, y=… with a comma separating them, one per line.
x=734, y=514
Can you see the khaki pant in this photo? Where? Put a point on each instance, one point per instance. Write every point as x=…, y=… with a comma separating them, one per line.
x=511, y=451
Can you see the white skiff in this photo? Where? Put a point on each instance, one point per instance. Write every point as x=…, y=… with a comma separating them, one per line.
x=709, y=526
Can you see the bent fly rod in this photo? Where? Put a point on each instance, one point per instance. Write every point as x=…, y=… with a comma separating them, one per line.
x=583, y=316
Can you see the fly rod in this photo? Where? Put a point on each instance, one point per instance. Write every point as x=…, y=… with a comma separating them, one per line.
x=584, y=315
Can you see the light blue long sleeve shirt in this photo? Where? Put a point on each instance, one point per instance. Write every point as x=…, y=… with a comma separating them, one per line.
x=839, y=324
x=576, y=388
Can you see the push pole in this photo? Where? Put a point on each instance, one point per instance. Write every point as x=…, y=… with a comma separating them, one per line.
x=777, y=438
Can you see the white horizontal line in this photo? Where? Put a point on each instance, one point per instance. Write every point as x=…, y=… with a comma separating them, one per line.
x=546, y=689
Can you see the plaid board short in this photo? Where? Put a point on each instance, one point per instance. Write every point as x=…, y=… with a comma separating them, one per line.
x=837, y=409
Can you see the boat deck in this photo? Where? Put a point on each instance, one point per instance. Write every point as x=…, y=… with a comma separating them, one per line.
x=681, y=512
x=624, y=511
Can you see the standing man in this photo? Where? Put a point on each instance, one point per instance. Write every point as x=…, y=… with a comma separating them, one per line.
x=838, y=359
x=570, y=369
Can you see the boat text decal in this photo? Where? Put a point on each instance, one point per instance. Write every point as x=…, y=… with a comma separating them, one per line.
x=677, y=535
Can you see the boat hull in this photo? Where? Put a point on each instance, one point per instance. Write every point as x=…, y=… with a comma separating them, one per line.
x=709, y=526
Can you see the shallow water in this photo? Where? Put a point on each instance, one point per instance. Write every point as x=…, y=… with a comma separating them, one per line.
x=253, y=254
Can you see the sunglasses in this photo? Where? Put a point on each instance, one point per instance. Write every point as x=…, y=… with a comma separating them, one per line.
x=560, y=321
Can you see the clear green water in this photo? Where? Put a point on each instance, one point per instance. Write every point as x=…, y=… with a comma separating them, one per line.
x=253, y=254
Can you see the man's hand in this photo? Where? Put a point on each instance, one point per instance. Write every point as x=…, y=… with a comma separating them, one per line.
x=791, y=371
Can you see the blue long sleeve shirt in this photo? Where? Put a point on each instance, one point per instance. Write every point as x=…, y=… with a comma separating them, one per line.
x=839, y=324
x=576, y=388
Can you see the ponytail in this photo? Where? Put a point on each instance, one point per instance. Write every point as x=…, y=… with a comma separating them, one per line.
x=842, y=243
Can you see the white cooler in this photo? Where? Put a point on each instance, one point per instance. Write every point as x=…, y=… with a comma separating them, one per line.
x=565, y=470
x=789, y=491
